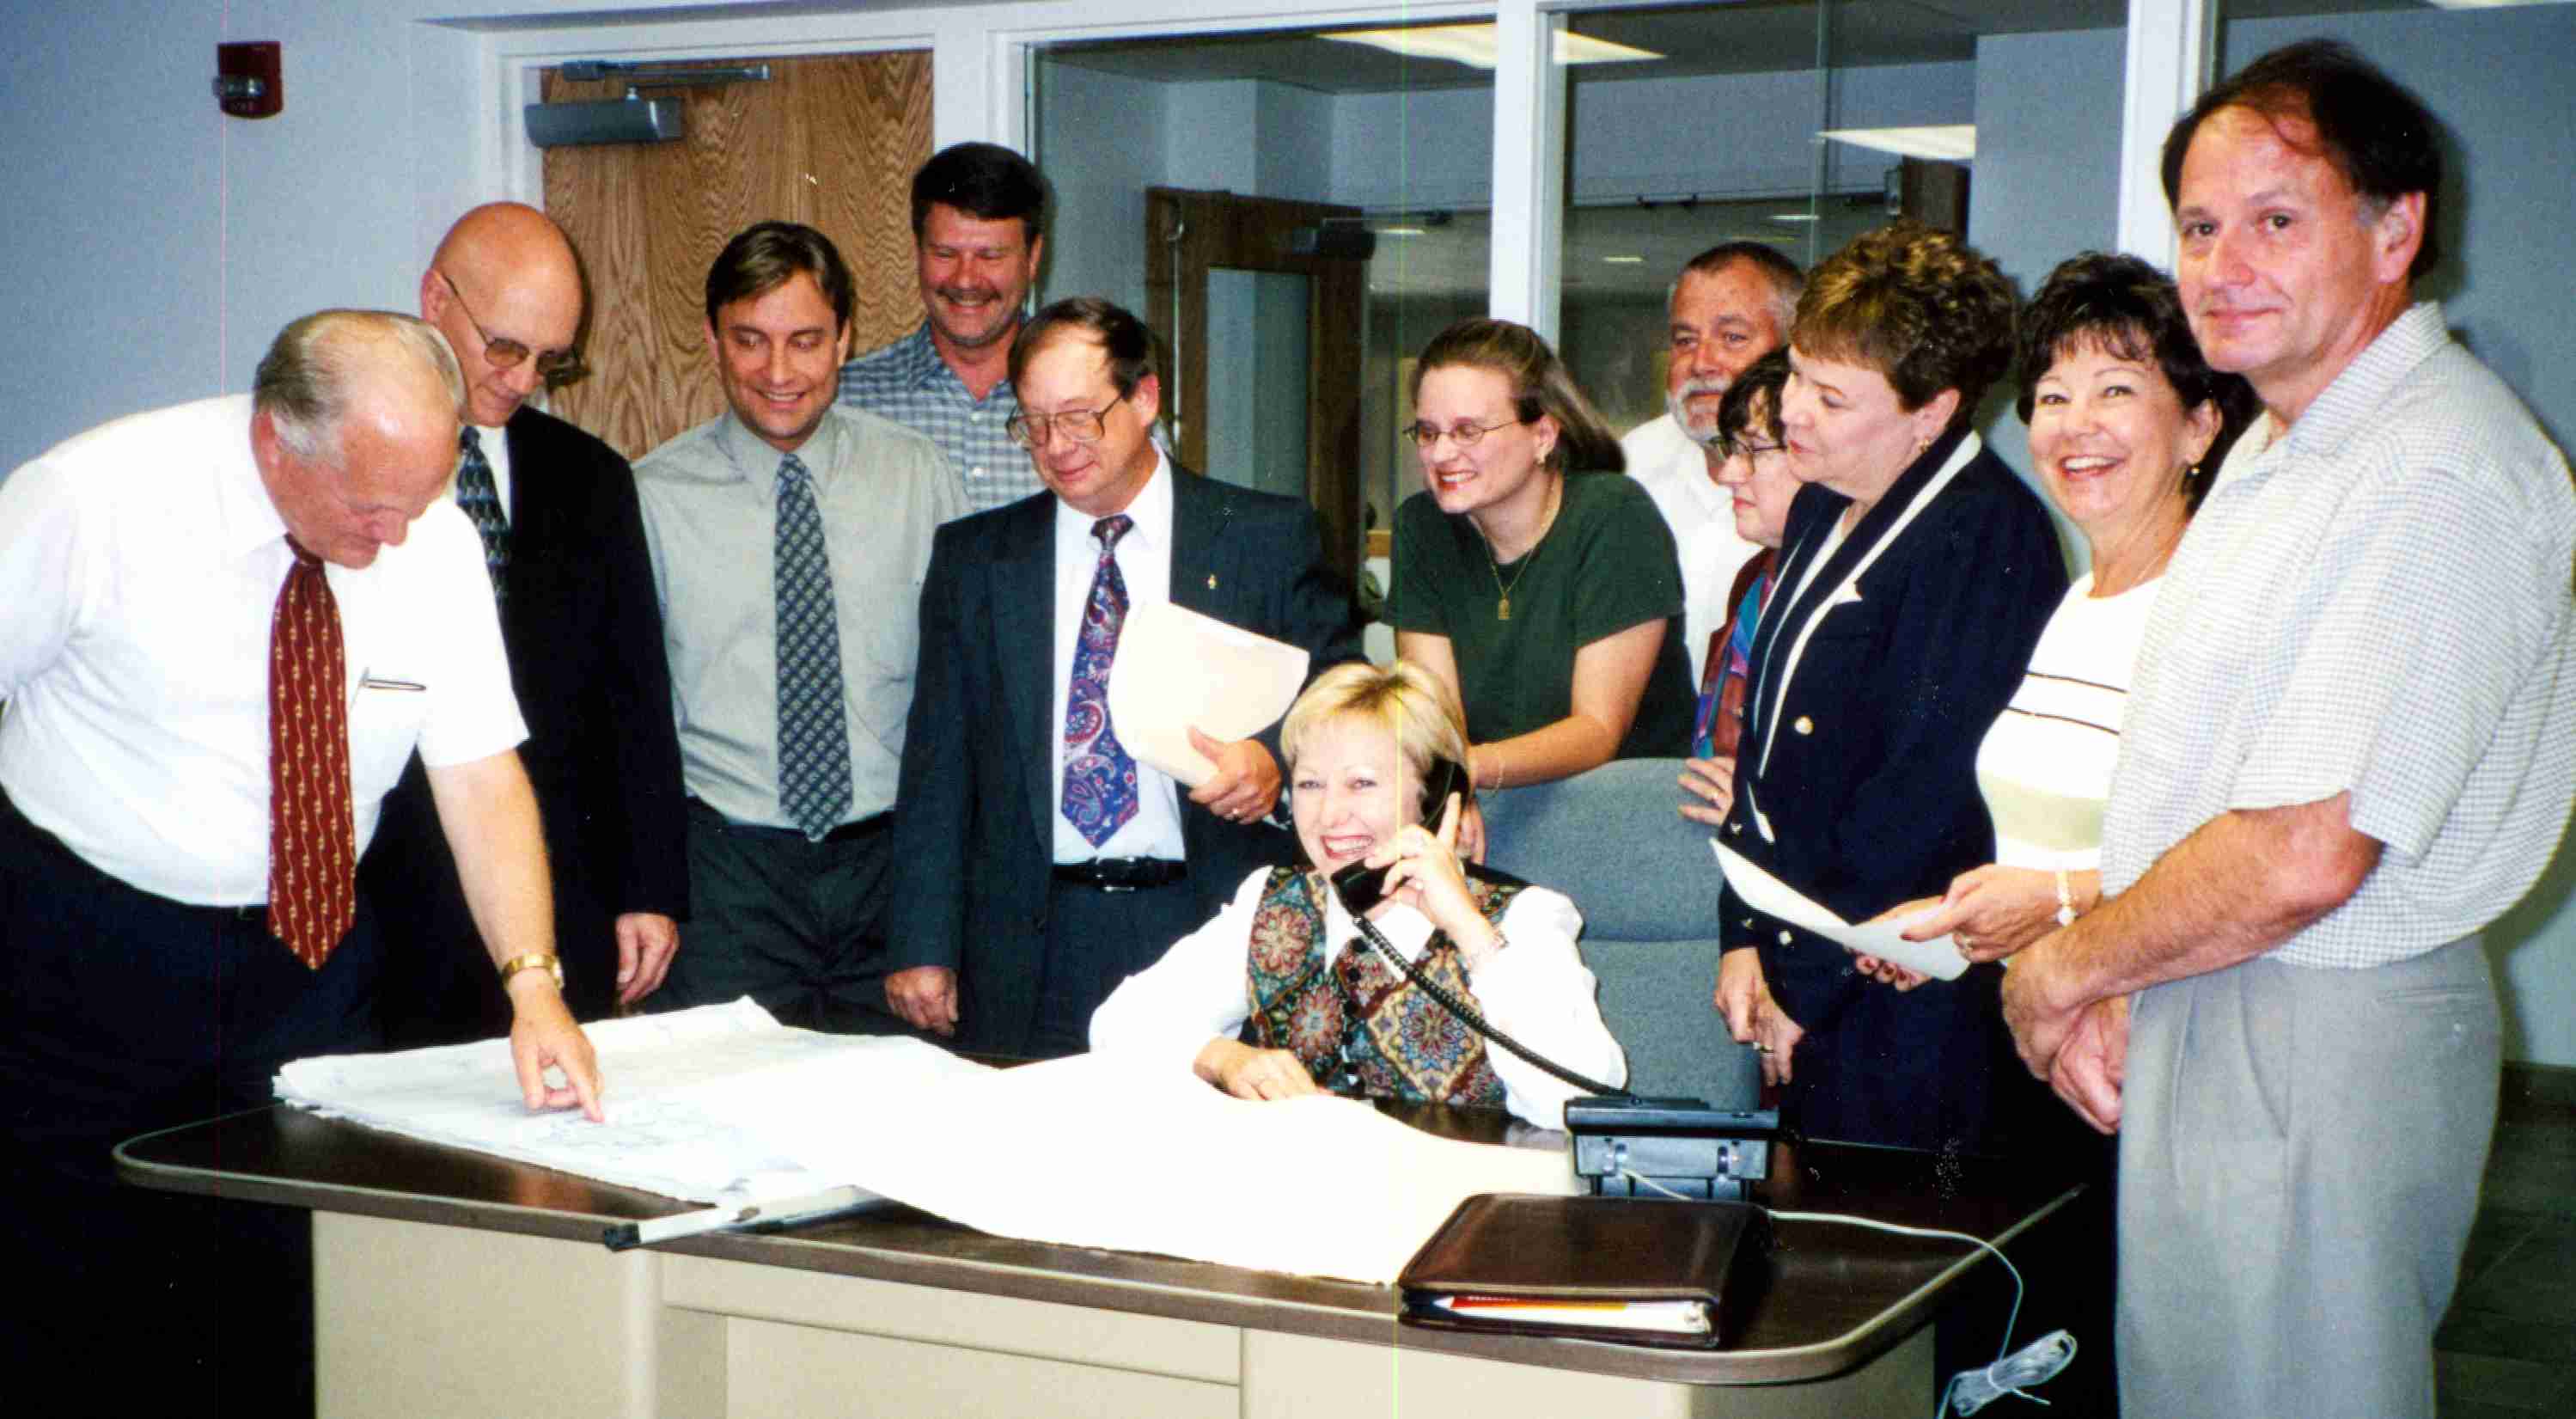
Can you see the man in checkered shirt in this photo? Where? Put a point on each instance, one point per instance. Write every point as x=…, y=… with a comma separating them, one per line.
x=976, y=210
x=2352, y=744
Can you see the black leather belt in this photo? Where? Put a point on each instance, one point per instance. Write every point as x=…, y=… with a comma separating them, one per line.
x=1122, y=874
x=867, y=827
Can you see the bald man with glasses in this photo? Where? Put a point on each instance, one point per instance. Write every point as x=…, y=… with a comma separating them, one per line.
x=563, y=542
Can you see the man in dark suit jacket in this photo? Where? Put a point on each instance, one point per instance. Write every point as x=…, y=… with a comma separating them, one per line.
x=565, y=545
x=1042, y=864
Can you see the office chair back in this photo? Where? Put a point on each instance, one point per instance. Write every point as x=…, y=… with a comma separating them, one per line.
x=1648, y=888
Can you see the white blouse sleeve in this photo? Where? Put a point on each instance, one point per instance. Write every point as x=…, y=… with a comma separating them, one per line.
x=1201, y=989
x=1538, y=991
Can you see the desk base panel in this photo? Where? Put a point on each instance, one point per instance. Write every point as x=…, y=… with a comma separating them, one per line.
x=418, y=1321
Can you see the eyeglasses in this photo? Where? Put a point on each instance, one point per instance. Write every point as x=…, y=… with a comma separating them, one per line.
x=1742, y=449
x=1079, y=425
x=502, y=352
x=1464, y=435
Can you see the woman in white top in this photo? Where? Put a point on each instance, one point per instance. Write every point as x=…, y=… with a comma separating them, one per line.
x=1278, y=996
x=2127, y=426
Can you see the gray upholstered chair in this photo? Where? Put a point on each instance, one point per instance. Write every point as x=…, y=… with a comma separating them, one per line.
x=1648, y=889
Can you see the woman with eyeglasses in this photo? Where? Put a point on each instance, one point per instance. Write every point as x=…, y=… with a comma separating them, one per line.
x=1546, y=595
x=1751, y=461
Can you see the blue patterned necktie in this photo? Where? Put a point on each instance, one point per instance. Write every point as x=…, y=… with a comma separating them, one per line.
x=1099, y=776
x=813, y=736
x=480, y=499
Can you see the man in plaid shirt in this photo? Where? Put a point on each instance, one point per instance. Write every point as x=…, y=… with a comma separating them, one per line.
x=976, y=210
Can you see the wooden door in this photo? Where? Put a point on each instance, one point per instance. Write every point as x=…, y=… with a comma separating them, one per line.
x=1186, y=233
x=831, y=141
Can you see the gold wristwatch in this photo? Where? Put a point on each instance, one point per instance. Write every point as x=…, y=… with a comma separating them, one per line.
x=552, y=963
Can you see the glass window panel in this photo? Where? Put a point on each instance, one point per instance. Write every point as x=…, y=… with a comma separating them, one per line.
x=1393, y=151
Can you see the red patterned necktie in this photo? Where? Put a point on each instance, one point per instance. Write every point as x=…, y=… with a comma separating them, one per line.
x=312, y=833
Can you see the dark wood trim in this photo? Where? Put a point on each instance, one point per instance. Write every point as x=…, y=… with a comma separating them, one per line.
x=1189, y=231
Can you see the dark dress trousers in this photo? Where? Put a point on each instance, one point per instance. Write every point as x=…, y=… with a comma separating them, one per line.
x=584, y=635
x=975, y=812
x=1856, y=785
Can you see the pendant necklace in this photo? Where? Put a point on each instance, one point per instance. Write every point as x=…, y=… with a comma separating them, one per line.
x=1502, y=589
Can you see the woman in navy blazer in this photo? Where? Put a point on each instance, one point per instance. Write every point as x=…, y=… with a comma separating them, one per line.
x=1914, y=578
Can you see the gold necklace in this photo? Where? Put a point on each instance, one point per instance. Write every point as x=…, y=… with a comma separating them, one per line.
x=1503, y=590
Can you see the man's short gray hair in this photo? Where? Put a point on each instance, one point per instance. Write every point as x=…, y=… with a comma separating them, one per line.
x=315, y=365
x=1787, y=282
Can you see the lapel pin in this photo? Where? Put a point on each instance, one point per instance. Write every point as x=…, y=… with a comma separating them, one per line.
x=1211, y=581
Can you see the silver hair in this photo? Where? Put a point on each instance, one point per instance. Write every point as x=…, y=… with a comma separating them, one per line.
x=316, y=364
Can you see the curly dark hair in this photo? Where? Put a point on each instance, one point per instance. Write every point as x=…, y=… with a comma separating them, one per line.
x=1923, y=308
x=2133, y=311
x=1540, y=382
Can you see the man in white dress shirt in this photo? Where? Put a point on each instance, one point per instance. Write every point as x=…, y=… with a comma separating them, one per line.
x=171, y=577
x=1045, y=862
x=1730, y=307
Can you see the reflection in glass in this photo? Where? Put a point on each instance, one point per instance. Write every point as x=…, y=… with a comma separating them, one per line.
x=1257, y=393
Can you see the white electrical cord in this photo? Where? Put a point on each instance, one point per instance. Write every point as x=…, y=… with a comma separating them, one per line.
x=1968, y=1390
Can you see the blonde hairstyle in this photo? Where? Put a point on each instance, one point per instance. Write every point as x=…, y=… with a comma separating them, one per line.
x=1408, y=702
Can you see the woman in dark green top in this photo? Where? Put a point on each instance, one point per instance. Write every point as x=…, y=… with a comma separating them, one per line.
x=1541, y=584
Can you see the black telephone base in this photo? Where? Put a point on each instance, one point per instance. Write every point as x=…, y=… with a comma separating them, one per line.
x=1638, y=1147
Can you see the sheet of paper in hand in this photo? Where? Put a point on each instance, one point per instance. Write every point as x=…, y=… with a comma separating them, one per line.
x=1177, y=669
x=1938, y=958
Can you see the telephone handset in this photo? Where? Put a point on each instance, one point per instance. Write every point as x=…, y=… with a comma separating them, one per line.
x=1361, y=886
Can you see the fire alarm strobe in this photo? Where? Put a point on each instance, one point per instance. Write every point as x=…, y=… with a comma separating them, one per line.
x=246, y=79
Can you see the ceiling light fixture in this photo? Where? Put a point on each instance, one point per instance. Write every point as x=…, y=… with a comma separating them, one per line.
x=1945, y=142
x=1476, y=46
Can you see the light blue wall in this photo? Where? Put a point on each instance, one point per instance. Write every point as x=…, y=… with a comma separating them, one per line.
x=1105, y=138
x=2047, y=179
x=1100, y=143
x=1731, y=135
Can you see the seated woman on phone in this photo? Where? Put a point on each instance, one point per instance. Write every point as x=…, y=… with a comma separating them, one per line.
x=1279, y=996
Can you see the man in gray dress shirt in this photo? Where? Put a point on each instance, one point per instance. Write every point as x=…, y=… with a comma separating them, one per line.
x=2345, y=754
x=976, y=213
x=789, y=539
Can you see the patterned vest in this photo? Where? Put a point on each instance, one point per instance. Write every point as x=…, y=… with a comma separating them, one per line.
x=1402, y=1043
